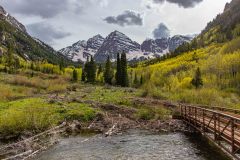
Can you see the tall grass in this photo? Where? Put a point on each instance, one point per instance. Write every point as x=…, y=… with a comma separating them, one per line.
x=36, y=114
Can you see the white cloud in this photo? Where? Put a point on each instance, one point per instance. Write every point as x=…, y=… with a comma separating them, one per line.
x=84, y=18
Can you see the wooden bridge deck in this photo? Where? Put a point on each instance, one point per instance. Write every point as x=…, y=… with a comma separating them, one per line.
x=220, y=125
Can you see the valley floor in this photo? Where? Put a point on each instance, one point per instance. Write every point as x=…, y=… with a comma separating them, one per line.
x=30, y=105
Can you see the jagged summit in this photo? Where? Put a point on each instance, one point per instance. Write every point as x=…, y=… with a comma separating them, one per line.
x=114, y=43
x=82, y=49
x=95, y=42
x=117, y=42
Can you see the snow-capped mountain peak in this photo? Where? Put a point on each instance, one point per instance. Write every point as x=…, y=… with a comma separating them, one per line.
x=82, y=49
x=117, y=42
x=95, y=42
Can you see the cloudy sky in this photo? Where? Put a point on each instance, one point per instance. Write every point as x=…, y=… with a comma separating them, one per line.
x=63, y=22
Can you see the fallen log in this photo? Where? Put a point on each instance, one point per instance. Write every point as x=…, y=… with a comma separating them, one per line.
x=111, y=130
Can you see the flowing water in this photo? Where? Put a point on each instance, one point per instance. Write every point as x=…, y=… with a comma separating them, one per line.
x=132, y=145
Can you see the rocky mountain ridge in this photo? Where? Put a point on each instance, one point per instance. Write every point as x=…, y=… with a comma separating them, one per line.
x=117, y=42
x=10, y=19
x=29, y=48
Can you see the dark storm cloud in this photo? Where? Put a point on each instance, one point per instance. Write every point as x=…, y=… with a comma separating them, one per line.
x=161, y=31
x=181, y=3
x=127, y=18
x=46, y=8
x=46, y=33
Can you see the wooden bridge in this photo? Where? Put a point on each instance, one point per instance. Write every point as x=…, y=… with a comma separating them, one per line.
x=219, y=125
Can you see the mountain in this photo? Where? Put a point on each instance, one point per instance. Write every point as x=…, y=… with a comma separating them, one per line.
x=11, y=20
x=117, y=42
x=225, y=27
x=177, y=40
x=81, y=50
x=95, y=42
x=12, y=32
x=164, y=45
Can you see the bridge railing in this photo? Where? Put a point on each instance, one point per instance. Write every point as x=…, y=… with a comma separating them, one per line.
x=216, y=108
x=221, y=128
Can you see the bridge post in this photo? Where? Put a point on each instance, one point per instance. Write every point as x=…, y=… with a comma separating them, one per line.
x=203, y=119
x=219, y=130
x=195, y=112
x=232, y=135
x=215, y=126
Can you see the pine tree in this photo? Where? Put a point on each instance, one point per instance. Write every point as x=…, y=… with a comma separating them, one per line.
x=108, y=73
x=197, y=80
x=118, y=73
x=124, y=74
x=141, y=80
x=75, y=75
x=91, y=70
x=83, y=77
x=86, y=69
x=10, y=56
x=99, y=70
x=61, y=65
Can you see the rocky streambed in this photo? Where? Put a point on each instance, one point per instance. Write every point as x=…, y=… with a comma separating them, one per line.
x=133, y=144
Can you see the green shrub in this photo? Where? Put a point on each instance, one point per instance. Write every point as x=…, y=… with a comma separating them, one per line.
x=145, y=114
x=82, y=112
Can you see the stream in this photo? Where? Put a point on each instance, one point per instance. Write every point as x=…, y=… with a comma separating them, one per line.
x=132, y=145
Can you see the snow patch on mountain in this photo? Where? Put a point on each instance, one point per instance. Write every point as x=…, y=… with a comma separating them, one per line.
x=81, y=50
x=117, y=42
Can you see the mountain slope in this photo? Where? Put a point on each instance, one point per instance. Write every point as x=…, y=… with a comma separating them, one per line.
x=14, y=33
x=117, y=42
x=225, y=27
x=81, y=50
x=164, y=45
x=12, y=20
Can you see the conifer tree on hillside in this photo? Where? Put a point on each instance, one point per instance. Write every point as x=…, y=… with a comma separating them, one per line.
x=124, y=74
x=197, y=80
x=100, y=70
x=108, y=73
x=83, y=77
x=61, y=65
x=91, y=69
x=10, y=59
x=141, y=80
x=118, y=73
